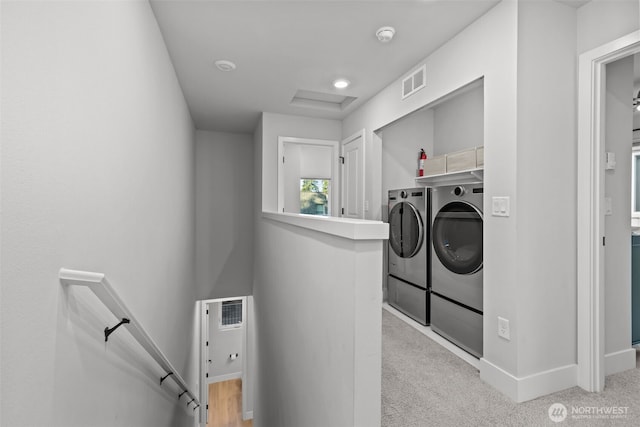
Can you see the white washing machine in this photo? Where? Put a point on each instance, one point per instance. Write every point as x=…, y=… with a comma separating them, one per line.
x=408, y=279
x=456, y=265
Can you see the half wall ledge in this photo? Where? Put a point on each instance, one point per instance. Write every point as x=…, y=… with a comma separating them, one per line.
x=348, y=228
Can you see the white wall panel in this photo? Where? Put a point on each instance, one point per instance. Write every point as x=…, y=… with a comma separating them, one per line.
x=224, y=214
x=97, y=175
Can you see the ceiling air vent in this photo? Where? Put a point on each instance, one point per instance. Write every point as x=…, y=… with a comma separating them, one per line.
x=414, y=82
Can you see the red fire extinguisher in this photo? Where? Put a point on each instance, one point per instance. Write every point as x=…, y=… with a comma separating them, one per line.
x=423, y=157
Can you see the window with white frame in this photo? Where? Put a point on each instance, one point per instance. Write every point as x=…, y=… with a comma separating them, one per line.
x=315, y=196
x=307, y=169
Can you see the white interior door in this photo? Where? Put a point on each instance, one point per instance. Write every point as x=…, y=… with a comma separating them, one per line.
x=353, y=203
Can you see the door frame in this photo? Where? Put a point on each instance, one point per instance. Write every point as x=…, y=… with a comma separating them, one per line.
x=335, y=178
x=590, y=207
x=203, y=366
x=351, y=138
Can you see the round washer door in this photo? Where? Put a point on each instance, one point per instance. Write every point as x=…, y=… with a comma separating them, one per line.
x=457, y=237
x=406, y=231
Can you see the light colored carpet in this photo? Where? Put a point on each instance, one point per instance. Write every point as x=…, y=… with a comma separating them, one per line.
x=423, y=384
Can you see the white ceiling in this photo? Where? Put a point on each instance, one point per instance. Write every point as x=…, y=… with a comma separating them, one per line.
x=283, y=46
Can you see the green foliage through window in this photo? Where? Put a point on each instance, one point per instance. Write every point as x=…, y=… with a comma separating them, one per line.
x=314, y=196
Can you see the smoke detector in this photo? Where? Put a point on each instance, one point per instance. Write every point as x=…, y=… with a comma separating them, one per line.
x=224, y=65
x=385, y=34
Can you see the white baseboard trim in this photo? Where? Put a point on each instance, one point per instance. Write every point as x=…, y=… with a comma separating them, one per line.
x=499, y=379
x=619, y=361
x=225, y=377
x=531, y=386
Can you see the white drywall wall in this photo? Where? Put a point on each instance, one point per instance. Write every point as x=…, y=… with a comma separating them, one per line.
x=401, y=144
x=525, y=156
x=450, y=126
x=98, y=175
x=618, y=136
x=276, y=125
x=602, y=21
x=487, y=48
x=224, y=214
x=459, y=122
x=546, y=199
x=318, y=361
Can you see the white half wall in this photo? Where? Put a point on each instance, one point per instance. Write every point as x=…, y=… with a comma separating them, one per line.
x=224, y=214
x=318, y=302
x=97, y=175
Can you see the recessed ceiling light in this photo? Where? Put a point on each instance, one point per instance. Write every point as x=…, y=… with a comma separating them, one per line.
x=224, y=65
x=385, y=34
x=341, y=83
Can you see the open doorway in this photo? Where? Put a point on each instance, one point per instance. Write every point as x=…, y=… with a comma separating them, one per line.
x=225, y=405
x=604, y=181
x=226, y=363
x=619, y=117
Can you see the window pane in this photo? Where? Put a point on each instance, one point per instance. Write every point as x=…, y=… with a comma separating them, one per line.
x=314, y=196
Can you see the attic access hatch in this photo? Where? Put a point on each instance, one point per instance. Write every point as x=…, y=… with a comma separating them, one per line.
x=323, y=101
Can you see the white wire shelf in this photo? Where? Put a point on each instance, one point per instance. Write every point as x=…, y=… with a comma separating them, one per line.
x=470, y=176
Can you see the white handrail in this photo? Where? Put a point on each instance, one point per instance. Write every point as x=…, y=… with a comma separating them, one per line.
x=99, y=285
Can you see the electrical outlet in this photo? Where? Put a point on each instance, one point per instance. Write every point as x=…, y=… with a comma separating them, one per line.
x=503, y=328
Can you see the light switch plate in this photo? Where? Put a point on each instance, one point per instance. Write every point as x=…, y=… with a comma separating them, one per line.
x=610, y=160
x=608, y=206
x=500, y=206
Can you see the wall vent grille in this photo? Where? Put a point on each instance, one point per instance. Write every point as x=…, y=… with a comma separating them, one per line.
x=414, y=82
x=231, y=314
